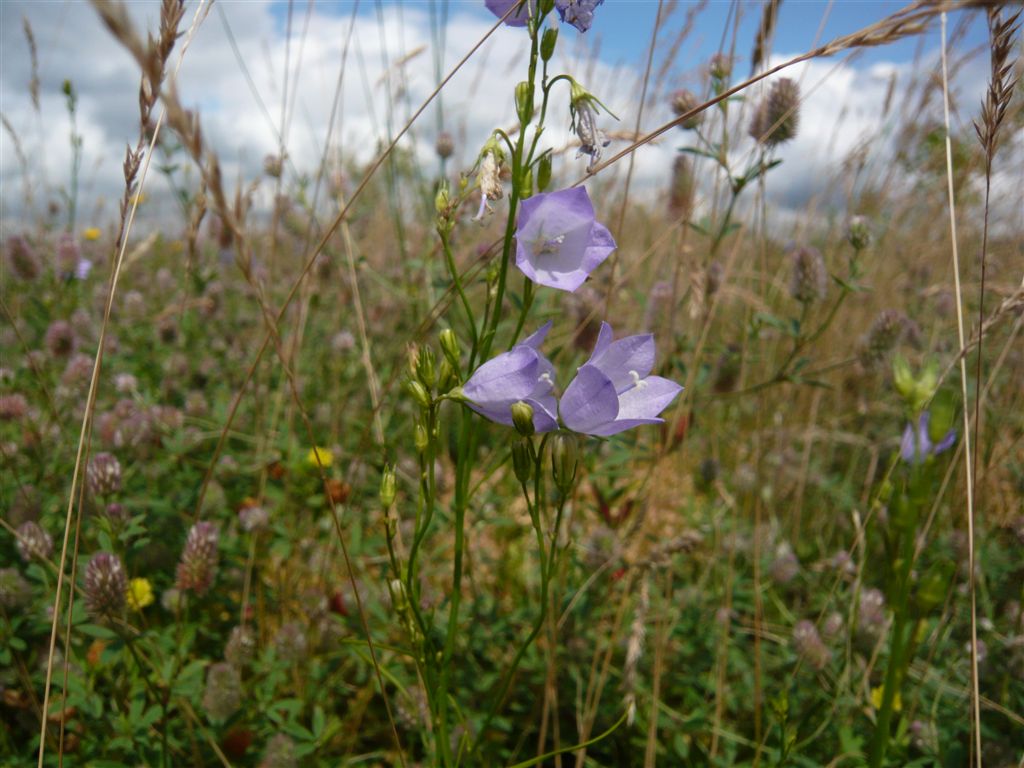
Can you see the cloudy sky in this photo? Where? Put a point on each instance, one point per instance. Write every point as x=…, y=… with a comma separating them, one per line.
x=234, y=73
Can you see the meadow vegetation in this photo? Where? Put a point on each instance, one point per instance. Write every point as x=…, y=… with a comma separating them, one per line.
x=262, y=505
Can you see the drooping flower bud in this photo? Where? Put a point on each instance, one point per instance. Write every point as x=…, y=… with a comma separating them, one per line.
x=445, y=145
x=777, y=117
x=103, y=475
x=564, y=461
x=387, y=487
x=524, y=102
x=105, y=586
x=522, y=418
x=198, y=565
x=522, y=461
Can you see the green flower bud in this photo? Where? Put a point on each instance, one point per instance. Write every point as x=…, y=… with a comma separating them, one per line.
x=419, y=393
x=902, y=377
x=564, y=461
x=547, y=43
x=425, y=370
x=446, y=377
x=442, y=199
x=544, y=172
x=526, y=185
x=522, y=418
x=420, y=438
x=522, y=461
x=524, y=102
x=450, y=348
x=387, y=487
x=933, y=587
x=903, y=514
x=546, y=6
x=943, y=410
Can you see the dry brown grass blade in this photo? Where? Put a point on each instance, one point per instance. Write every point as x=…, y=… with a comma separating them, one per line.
x=765, y=31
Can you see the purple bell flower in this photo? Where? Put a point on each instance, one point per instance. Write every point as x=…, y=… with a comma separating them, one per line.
x=521, y=374
x=579, y=13
x=558, y=241
x=915, y=451
x=517, y=18
x=613, y=392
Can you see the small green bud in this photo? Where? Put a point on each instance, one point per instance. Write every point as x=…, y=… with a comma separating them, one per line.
x=522, y=418
x=522, y=461
x=446, y=377
x=547, y=43
x=387, y=487
x=420, y=438
x=544, y=172
x=933, y=587
x=943, y=410
x=546, y=6
x=526, y=185
x=524, y=102
x=425, y=370
x=564, y=461
x=903, y=514
x=419, y=393
x=902, y=377
x=442, y=199
x=450, y=348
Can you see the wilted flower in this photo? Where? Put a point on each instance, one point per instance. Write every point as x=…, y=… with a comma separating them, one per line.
x=33, y=541
x=198, y=564
x=684, y=101
x=105, y=586
x=103, y=475
x=14, y=590
x=583, y=108
x=488, y=179
x=241, y=646
x=872, y=609
x=808, y=644
x=558, y=241
x=521, y=374
x=579, y=13
x=883, y=336
x=253, y=518
x=809, y=279
x=290, y=642
x=13, y=407
x=223, y=694
x=139, y=594
x=613, y=390
x=915, y=448
x=517, y=18
x=60, y=338
x=279, y=753
x=23, y=260
x=785, y=566
x=776, y=119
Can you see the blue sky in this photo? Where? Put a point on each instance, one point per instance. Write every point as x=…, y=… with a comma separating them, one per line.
x=622, y=28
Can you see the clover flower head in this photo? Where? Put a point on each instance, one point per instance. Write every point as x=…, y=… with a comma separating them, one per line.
x=105, y=586
x=916, y=445
x=579, y=13
x=521, y=374
x=558, y=241
x=33, y=541
x=613, y=390
x=198, y=565
x=517, y=18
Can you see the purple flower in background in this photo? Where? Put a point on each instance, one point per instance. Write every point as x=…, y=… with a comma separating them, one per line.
x=579, y=13
x=916, y=448
x=613, y=392
x=83, y=268
x=522, y=373
x=517, y=18
x=558, y=242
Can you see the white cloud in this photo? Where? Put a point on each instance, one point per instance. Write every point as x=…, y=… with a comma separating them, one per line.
x=842, y=105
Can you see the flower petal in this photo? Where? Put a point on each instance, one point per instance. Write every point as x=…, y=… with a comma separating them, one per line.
x=544, y=412
x=537, y=337
x=621, y=359
x=648, y=399
x=589, y=402
x=506, y=378
x=621, y=425
x=599, y=248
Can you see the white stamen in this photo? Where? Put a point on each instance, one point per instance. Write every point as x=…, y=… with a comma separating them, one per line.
x=549, y=246
x=637, y=381
x=546, y=379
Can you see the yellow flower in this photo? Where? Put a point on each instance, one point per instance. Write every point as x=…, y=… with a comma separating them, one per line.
x=325, y=456
x=139, y=198
x=91, y=233
x=139, y=594
x=876, y=699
